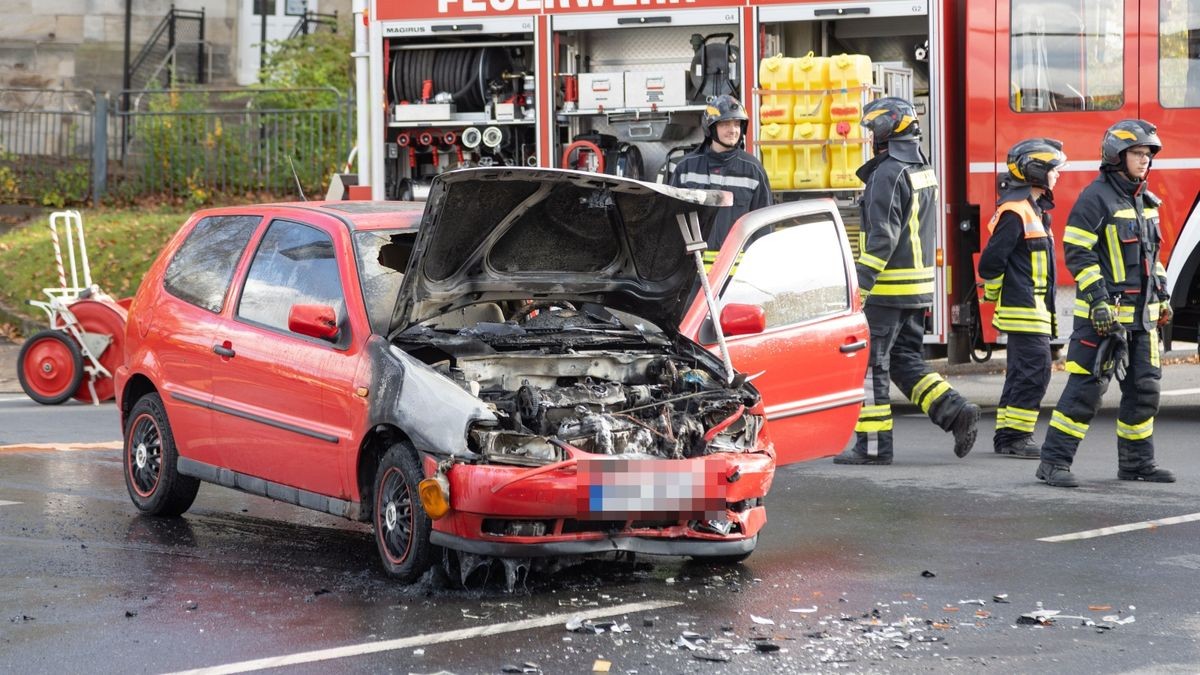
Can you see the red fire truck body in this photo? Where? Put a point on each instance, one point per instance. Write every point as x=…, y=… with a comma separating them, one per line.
x=536, y=82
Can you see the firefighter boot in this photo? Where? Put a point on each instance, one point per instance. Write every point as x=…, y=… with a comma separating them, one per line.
x=965, y=429
x=1023, y=447
x=1058, y=476
x=849, y=456
x=1148, y=473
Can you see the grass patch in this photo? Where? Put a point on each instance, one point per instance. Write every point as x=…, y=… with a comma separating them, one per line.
x=121, y=245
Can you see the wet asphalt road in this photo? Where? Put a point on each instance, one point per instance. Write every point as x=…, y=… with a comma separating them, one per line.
x=86, y=585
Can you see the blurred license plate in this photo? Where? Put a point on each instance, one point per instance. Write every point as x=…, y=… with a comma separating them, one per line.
x=611, y=489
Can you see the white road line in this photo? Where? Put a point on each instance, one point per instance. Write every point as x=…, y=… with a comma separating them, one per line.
x=5, y=503
x=422, y=640
x=1118, y=529
x=63, y=447
x=1180, y=392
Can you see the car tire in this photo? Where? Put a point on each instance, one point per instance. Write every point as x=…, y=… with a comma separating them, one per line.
x=401, y=525
x=50, y=367
x=150, y=458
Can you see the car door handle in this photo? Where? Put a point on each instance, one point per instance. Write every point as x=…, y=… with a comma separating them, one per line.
x=222, y=350
x=853, y=346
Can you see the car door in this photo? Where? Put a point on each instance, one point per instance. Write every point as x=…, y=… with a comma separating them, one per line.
x=179, y=317
x=283, y=400
x=794, y=261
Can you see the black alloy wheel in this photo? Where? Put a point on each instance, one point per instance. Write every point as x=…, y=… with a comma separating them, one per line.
x=150, y=458
x=401, y=525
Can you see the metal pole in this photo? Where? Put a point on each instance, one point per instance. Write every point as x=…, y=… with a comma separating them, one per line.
x=201, y=75
x=99, y=147
x=171, y=46
x=262, y=43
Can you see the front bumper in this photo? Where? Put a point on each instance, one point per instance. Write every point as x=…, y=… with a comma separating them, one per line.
x=556, y=510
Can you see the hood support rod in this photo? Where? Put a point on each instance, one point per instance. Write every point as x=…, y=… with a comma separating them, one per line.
x=694, y=243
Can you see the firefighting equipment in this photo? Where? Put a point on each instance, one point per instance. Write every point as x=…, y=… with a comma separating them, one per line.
x=1017, y=267
x=1127, y=134
x=1165, y=313
x=1032, y=160
x=1056, y=475
x=719, y=109
x=1026, y=378
x=890, y=118
x=1148, y=473
x=1112, y=355
x=1102, y=317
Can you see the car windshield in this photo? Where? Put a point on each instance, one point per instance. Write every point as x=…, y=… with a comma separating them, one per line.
x=382, y=258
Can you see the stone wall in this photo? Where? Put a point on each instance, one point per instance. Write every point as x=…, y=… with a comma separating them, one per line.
x=79, y=44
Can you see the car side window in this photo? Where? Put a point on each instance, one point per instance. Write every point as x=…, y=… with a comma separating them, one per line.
x=202, y=268
x=294, y=265
x=796, y=272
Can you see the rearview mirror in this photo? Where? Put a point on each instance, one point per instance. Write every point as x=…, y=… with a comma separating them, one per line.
x=318, y=321
x=739, y=319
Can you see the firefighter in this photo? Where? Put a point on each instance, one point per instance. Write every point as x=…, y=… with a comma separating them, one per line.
x=1017, y=268
x=1111, y=243
x=895, y=279
x=720, y=163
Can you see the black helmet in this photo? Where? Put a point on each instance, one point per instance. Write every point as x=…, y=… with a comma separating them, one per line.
x=1127, y=134
x=890, y=119
x=721, y=108
x=1031, y=160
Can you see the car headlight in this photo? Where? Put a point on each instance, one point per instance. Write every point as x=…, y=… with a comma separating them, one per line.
x=510, y=447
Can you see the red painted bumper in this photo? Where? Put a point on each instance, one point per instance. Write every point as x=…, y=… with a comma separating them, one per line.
x=595, y=504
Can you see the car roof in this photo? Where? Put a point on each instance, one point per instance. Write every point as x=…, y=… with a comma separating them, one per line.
x=358, y=215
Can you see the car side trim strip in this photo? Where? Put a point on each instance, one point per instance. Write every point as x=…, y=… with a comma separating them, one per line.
x=296, y=429
x=265, y=488
x=647, y=545
x=809, y=406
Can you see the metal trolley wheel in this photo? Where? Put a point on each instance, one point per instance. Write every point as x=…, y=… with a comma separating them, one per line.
x=106, y=321
x=50, y=367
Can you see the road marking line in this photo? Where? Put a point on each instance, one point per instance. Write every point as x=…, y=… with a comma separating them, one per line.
x=1180, y=392
x=6, y=503
x=1118, y=529
x=422, y=640
x=62, y=447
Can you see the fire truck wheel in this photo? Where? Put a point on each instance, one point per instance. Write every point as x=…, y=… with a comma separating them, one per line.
x=401, y=524
x=50, y=367
x=155, y=485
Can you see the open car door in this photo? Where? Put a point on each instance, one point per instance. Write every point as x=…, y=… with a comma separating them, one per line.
x=809, y=351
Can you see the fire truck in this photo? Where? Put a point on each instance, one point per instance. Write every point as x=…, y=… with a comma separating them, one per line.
x=618, y=86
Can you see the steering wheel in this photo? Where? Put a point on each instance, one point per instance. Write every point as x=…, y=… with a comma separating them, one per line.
x=524, y=311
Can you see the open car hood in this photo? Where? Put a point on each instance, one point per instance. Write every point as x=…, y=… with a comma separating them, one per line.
x=549, y=234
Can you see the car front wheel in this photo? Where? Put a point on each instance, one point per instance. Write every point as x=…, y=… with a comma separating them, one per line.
x=401, y=524
x=154, y=484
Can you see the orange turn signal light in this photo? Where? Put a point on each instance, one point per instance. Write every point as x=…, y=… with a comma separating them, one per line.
x=435, y=496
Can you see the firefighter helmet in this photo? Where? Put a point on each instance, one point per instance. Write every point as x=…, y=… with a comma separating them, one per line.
x=889, y=119
x=721, y=108
x=1127, y=134
x=1031, y=160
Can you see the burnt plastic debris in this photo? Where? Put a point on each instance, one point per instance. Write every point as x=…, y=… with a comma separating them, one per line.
x=928, y=575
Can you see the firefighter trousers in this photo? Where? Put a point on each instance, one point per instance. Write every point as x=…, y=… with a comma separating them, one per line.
x=1083, y=393
x=897, y=343
x=1026, y=378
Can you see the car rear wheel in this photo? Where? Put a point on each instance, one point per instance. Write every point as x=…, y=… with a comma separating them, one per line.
x=401, y=524
x=155, y=485
x=50, y=367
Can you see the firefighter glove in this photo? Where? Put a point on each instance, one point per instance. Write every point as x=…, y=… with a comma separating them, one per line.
x=1165, y=312
x=1103, y=316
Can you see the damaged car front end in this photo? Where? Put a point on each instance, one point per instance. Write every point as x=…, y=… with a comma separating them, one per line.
x=536, y=366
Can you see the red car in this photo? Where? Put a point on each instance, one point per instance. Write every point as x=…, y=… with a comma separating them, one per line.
x=499, y=376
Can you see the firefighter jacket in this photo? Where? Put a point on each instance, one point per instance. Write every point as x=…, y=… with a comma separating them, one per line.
x=735, y=171
x=1111, y=243
x=899, y=215
x=1017, y=267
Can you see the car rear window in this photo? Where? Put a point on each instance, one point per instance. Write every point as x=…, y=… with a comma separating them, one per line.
x=202, y=269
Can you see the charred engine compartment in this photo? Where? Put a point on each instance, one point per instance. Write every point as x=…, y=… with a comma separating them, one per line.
x=611, y=403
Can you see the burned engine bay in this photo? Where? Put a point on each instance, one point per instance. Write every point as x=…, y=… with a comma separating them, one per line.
x=647, y=402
